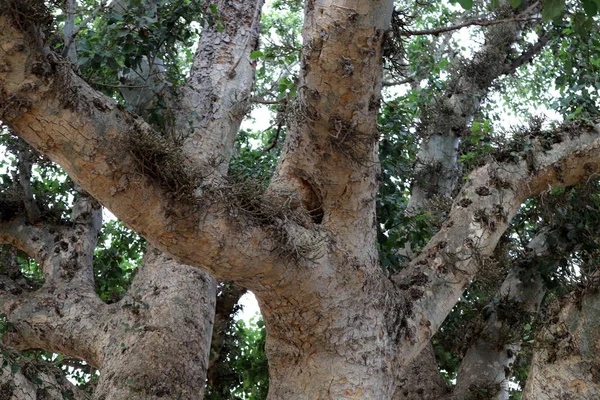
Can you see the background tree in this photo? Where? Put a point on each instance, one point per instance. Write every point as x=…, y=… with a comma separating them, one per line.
x=350, y=297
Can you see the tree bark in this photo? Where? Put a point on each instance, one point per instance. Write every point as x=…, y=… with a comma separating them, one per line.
x=34, y=379
x=337, y=326
x=421, y=380
x=153, y=343
x=565, y=363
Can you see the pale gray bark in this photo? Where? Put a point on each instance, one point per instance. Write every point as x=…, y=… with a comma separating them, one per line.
x=421, y=379
x=153, y=343
x=337, y=326
x=34, y=380
x=159, y=335
x=216, y=96
x=488, y=363
x=446, y=121
x=227, y=300
x=437, y=169
x=565, y=361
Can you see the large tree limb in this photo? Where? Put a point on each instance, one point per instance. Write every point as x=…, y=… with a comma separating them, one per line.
x=216, y=96
x=34, y=379
x=53, y=109
x=479, y=216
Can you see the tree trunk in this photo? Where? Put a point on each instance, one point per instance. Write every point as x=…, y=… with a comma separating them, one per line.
x=337, y=326
x=421, y=380
x=152, y=344
x=565, y=363
x=159, y=335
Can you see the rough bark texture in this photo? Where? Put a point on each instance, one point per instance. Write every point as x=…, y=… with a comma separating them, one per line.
x=487, y=365
x=337, y=326
x=225, y=308
x=216, y=97
x=421, y=380
x=446, y=121
x=436, y=173
x=159, y=336
x=34, y=380
x=153, y=343
x=565, y=364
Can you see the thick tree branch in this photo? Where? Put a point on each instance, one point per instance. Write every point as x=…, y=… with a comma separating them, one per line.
x=216, y=96
x=225, y=309
x=529, y=54
x=436, y=169
x=479, y=216
x=88, y=135
x=24, y=173
x=34, y=379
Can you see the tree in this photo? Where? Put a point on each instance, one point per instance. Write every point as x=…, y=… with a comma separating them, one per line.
x=352, y=285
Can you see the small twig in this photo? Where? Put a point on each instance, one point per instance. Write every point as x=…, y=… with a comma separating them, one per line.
x=267, y=102
x=396, y=83
x=477, y=22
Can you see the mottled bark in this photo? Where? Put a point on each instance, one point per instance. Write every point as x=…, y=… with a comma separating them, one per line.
x=159, y=335
x=488, y=362
x=437, y=170
x=34, y=380
x=479, y=216
x=88, y=134
x=447, y=118
x=337, y=326
x=153, y=343
x=216, y=96
x=565, y=363
x=421, y=379
x=326, y=321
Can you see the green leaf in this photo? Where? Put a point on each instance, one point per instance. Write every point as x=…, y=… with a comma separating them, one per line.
x=552, y=9
x=582, y=24
x=495, y=4
x=14, y=368
x=590, y=7
x=515, y=3
x=256, y=54
x=466, y=4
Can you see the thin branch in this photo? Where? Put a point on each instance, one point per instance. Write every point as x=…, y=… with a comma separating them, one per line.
x=528, y=55
x=24, y=167
x=396, y=83
x=478, y=22
x=76, y=29
x=267, y=102
x=92, y=15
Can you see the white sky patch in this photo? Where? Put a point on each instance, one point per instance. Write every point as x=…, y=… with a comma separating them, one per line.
x=250, y=307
